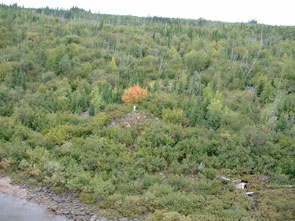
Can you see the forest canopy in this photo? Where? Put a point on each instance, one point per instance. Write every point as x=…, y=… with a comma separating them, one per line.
x=220, y=95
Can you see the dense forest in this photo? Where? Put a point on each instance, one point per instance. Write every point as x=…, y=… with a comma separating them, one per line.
x=219, y=101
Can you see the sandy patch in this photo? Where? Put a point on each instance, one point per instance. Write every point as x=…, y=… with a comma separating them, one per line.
x=13, y=190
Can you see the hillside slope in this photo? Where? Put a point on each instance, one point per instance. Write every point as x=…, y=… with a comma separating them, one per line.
x=219, y=94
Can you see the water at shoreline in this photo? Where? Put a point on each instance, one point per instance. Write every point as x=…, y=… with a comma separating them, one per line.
x=15, y=209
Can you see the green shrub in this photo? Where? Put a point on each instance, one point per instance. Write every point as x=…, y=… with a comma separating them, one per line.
x=175, y=116
x=121, y=135
x=210, y=173
x=163, y=215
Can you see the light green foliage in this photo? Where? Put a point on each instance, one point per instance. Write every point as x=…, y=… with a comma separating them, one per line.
x=55, y=61
x=197, y=60
x=175, y=116
x=162, y=215
x=215, y=110
x=97, y=100
x=58, y=135
x=5, y=71
x=213, y=105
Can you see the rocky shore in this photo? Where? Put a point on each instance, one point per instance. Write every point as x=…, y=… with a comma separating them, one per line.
x=63, y=205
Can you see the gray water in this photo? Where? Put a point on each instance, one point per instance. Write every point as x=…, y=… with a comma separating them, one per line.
x=14, y=209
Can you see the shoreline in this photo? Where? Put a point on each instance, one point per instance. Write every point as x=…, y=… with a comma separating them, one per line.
x=62, y=205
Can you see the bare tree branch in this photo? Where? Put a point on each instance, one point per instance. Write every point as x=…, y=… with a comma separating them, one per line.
x=275, y=108
x=256, y=59
x=196, y=79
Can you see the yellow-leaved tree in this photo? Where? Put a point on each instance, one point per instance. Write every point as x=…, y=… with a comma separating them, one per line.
x=134, y=94
x=113, y=63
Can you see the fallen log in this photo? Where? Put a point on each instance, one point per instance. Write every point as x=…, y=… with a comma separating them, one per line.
x=280, y=186
x=224, y=178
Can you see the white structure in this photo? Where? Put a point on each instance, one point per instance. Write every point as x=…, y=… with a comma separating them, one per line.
x=241, y=186
x=134, y=108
